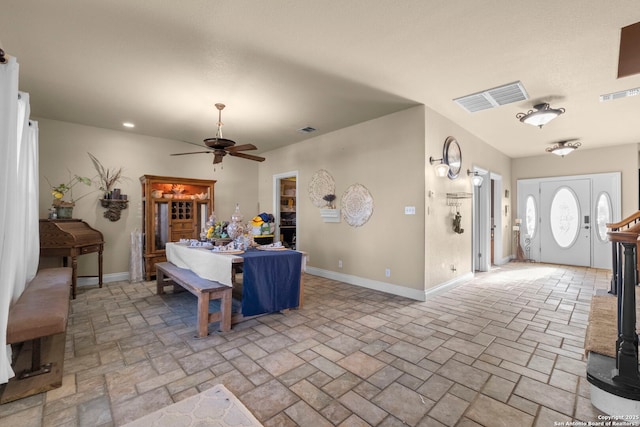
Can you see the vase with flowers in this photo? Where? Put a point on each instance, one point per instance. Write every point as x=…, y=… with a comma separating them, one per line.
x=107, y=178
x=63, y=200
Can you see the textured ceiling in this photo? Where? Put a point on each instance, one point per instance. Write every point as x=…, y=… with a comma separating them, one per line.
x=283, y=65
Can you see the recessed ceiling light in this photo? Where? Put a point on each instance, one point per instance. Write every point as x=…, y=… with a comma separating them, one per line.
x=128, y=125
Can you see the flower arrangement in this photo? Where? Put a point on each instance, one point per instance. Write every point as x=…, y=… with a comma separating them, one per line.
x=329, y=198
x=61, y=190
x=218, y=230
x=107, y=178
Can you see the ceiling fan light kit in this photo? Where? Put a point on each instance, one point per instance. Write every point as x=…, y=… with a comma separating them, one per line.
x=563, y=148
x=542, y=115
x=220, y=146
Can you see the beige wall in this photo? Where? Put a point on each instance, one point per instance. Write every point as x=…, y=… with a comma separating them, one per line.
x=444, y=247
x=389, y=156
x=64, y=146
x=386, y=155
x=621, y=158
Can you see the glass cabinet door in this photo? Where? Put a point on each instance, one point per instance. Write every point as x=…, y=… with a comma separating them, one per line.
x=161, y=224
x=203, y=216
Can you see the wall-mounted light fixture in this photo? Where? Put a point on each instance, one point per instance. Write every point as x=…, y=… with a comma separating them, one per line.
x=542, y=115
x=442, y=169
x=476, y=178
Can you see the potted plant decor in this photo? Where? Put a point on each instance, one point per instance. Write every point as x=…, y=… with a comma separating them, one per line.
x=107, y=178
x=63, y=200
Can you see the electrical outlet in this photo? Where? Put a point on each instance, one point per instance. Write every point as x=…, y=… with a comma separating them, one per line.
x=387, y=272
x=339, y=263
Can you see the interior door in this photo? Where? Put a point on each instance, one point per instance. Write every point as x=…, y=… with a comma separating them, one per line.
x=493, y=223
x=565, y=222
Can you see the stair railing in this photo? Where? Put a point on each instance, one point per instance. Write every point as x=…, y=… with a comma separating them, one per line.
x=626, y=373
x=629, y=224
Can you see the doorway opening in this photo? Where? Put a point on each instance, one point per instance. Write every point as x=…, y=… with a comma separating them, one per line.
x=285, y=208
x=487, y=222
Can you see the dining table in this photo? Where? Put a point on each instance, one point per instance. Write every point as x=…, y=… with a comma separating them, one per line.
x=271, y=277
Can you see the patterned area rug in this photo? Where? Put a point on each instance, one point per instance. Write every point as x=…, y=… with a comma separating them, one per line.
x=216, y=407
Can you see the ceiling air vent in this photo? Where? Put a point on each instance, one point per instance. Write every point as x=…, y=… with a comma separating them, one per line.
x=621, y=94
x=492, y=98
x=307, y=129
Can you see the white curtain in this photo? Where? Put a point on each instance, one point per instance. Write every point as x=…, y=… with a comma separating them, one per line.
x=27, y=230
x=19, y=244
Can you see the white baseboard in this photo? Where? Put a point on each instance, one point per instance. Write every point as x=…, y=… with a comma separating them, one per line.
x=444, y=287
x=390, y=288
x=106, y=278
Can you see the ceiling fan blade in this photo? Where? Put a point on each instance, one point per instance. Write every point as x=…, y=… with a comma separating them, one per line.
x=217, y=159
x=243, y=147
x=247, y=156
x=193, y=152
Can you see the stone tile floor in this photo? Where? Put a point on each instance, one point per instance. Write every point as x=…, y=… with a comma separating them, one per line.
x=504, y=349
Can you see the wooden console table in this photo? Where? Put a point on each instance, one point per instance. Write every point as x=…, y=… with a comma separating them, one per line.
x=69, y=238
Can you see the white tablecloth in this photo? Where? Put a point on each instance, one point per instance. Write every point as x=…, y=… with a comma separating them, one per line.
x=203, y=262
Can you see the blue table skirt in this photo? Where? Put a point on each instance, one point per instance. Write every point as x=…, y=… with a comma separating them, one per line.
x=271, y=281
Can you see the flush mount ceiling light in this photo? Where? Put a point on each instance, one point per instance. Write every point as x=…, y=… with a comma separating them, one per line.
x=442, y=169
x=542, y=115
x=563, y=148
x=476, y=178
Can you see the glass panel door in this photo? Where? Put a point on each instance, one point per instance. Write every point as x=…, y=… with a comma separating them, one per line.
x=161, y=224
x=203, y=216
x=566, y=217
x=566, y=229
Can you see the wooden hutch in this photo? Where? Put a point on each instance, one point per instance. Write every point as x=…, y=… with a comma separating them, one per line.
x=174, y=209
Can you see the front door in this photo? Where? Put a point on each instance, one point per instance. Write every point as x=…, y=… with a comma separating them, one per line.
x=566, y=222
x=564, y=218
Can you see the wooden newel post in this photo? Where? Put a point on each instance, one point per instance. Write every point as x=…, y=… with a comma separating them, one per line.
x=627, y=351
x=616, y=267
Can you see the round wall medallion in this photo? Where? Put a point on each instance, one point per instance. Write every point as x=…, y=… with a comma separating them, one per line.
x=321, y=184
x=357, y=205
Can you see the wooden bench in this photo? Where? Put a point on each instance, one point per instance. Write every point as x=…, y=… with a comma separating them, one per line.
x=36, y=326
x=168, y=274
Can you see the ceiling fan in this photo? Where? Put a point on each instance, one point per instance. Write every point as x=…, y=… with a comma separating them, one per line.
x=220, y=146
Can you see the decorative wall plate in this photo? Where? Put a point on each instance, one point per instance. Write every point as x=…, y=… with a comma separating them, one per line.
x=357, y=205
x=321, y=184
